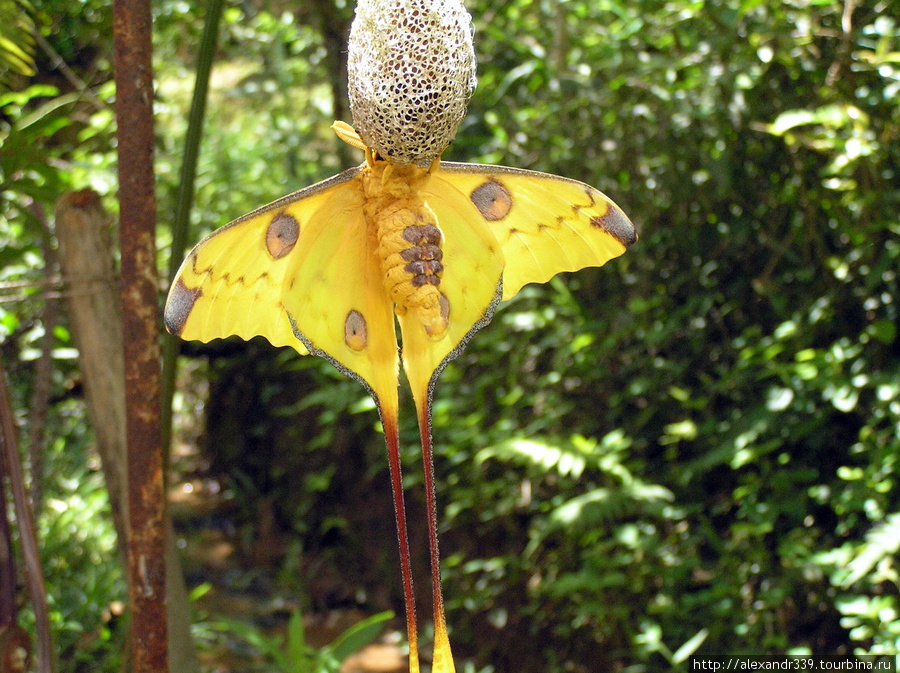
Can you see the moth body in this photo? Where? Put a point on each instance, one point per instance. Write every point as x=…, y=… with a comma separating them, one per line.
x=409, y=241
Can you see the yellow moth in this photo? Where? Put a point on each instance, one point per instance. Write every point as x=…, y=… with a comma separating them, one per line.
x=403, y=237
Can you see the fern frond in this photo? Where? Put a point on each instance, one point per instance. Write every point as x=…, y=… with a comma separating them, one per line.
x=603, y=506
x=547, y=455
x=882, y=542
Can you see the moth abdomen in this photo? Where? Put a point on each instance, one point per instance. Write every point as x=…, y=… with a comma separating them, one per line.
x=409, y=241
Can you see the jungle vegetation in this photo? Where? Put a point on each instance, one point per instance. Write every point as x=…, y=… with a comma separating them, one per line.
x=691, y=450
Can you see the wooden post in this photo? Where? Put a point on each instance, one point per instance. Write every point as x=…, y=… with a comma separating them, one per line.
x=93, y=305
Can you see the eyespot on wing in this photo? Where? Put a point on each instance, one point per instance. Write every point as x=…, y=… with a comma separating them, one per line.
x=356, y=334
x=492, y=199
x=281, y=235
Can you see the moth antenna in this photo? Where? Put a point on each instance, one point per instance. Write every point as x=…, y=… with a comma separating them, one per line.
x=348, y=134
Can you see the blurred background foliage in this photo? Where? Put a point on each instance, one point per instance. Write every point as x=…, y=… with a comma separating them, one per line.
x=694, y=448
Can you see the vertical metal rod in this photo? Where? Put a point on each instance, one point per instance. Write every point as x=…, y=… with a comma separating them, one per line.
x=132, y=29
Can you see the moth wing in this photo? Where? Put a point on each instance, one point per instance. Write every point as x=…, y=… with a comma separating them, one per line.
x=301, y=272
x=545, y=224
x=335, y=300
x=470, y=285
x=231, y=283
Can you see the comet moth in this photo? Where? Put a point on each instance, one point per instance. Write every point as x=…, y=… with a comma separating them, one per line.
x=402, y=238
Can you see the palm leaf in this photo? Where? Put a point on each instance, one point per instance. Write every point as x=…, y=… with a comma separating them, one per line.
x=16, y=41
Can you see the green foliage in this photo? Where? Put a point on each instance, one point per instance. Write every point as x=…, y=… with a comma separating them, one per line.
x=47, y=149
x=50, y=141
x=86, y=586
x=84, y=577
x=292, y=653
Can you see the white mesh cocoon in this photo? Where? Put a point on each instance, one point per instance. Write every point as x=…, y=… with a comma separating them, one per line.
x=411, y=67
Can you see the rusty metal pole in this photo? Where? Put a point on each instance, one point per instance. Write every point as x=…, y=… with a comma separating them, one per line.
x=132, y=27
